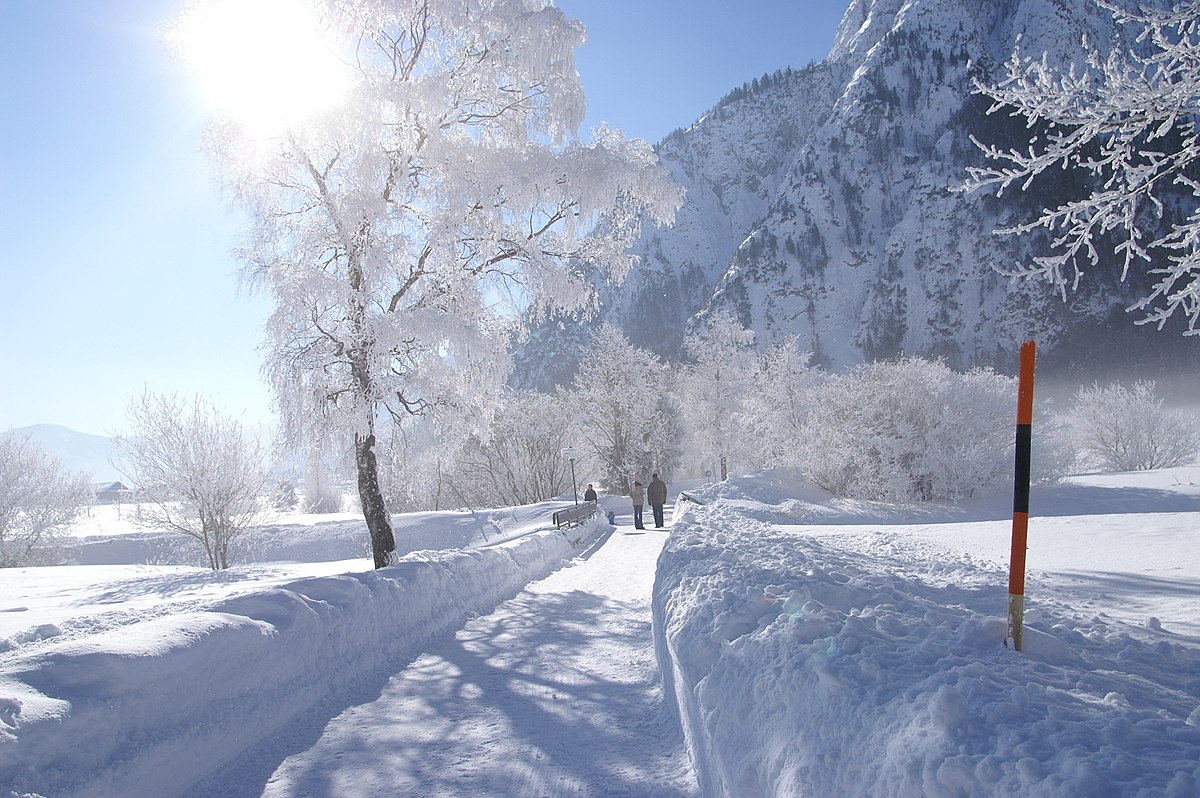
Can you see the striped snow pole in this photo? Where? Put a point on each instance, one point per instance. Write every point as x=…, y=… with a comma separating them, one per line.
x=1020, y=524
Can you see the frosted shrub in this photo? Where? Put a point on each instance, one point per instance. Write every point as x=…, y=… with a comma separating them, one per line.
x=1122, y=428
x=713, y=388
x=910, y=431
x=38, y=501
x=321, y=492
x=197, y=471
x=625, y=421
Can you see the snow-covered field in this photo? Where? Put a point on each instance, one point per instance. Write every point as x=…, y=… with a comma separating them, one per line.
x=807, y=645
x=823, y=648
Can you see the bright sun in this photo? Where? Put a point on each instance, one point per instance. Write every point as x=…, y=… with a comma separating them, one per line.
x=262, y=62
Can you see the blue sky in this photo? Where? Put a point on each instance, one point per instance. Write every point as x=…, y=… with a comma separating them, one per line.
x=116, y=266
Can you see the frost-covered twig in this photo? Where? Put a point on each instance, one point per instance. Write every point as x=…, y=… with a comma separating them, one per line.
x=1128, y=121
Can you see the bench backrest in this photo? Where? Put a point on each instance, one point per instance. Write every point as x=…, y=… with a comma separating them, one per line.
x=575, y=515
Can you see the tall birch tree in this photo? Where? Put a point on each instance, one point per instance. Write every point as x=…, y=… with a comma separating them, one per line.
x=404, y=228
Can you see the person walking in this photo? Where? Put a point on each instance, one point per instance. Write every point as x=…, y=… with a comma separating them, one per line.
x=589, y=495
x=657, y=494
x=638, y=495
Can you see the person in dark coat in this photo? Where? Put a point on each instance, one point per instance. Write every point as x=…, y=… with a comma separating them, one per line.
x=638, y=495
x=657, y=494
x=589, y=495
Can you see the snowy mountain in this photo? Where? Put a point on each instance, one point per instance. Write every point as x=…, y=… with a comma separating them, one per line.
x=77, y=451
x=820, y=204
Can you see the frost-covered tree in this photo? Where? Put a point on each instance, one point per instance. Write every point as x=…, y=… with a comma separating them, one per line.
x=662, y=439
x=1127, y=123
x=912, y=430
x=618, y=396
x=196, y=471
x=1126, y=428
x=38, y=501
x=713, y=389
x=404, y=229
x=518, y=460
x=319, y=480
x=777, y=407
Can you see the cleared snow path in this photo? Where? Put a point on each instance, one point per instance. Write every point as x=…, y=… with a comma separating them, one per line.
x=555, y=693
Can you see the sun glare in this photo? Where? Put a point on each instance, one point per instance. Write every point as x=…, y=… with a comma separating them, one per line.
x=262, y=62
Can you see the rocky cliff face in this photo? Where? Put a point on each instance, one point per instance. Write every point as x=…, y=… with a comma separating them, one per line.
x=821, y=203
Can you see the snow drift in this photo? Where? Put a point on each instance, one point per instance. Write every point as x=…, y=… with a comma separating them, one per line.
x=150, y=708
x=859, y=659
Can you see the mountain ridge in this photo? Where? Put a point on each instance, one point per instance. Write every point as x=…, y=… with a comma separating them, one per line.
x=76, y=451
x=820, y=204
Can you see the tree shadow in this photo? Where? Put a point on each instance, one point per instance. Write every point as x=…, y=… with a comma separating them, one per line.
x=511, y=705
x=168, y=585
x=1047, y=501
x=1073, y=499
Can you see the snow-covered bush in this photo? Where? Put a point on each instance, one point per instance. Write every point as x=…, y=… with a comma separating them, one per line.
x=323, y=476
x=197, y=471
x=912, y=430
x=1126, y=428
x=38, y=500
x=283, y=495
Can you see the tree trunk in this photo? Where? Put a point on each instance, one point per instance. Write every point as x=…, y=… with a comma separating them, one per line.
x=383, y=543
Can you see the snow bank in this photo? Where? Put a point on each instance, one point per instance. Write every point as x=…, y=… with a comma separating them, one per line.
x=810, y=660
x=149, y=708
x=108, y=536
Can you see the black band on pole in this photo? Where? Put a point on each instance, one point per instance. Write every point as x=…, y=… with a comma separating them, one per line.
x=1021, y=480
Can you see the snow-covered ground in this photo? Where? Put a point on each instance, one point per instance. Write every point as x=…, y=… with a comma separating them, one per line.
x=819, y=647
x=800, y=645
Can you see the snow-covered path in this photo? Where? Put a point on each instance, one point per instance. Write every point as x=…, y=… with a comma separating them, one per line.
x=554, y=693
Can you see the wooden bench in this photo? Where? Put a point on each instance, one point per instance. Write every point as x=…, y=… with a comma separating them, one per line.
x=574, y=515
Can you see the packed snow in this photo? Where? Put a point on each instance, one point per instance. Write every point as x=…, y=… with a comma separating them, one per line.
x=772, y=641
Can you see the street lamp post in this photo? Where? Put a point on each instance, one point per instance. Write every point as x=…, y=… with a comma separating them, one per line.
x=571, y=453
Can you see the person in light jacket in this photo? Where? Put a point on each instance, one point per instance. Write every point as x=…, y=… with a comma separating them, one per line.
x=638, y=495
x=657, y=494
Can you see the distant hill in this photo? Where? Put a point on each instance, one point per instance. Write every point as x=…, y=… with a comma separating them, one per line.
x=77, y=451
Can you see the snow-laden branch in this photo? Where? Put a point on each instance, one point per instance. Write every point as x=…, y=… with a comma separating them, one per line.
x=1128, y=122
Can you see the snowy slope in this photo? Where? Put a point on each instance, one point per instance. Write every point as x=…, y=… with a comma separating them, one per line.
x=820, y=203
x=817, y=647
x=148, y=703
x=867, y=253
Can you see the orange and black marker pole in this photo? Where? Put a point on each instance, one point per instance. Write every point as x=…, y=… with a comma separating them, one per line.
x=1020, y=525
